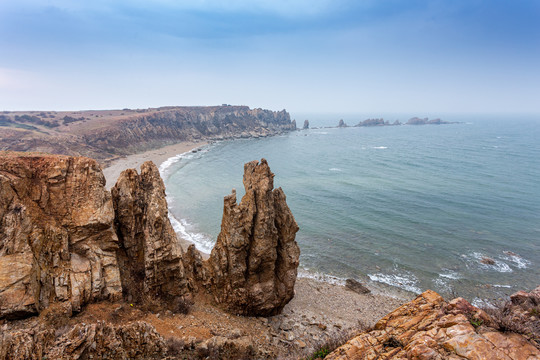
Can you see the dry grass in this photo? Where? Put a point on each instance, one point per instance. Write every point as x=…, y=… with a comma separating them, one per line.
x=511, y=318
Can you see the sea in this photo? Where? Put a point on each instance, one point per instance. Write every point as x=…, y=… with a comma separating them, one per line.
x=454, y=208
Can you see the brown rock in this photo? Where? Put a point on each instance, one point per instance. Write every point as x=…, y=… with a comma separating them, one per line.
x=150, y=256
x=253, y=265
x=429, y=328
x=357, y=287
x=137, y=340
x=56, y=229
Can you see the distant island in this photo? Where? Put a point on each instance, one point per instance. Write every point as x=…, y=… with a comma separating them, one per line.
x=382, y=122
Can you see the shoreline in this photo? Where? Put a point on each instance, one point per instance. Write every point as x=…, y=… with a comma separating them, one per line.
x=333, y=300
x=157, y=156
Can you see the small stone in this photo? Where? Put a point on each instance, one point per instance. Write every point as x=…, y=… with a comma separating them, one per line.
x=300, y=343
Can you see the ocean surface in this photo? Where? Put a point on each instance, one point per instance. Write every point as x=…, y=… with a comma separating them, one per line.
x=402, y=208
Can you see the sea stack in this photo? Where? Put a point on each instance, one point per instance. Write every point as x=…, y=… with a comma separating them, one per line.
x=306, y=125
x=254, y=263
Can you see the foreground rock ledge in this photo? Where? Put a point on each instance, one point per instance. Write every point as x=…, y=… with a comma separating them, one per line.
x=430, y=328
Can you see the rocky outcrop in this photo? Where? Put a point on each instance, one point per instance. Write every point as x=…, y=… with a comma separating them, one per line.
x=341, y=124
x=426, y=121
x=100, y=340
x=306, y=125
x=430, y=328
x=65, y=241
x=57, y=242
x=150, y=256
x=253, y=265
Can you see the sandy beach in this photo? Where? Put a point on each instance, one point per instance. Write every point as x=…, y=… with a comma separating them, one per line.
x=158, y=156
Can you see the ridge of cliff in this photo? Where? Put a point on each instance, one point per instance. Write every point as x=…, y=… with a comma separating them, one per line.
x=107, y=134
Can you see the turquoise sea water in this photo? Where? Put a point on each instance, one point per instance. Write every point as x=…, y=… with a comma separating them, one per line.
x=404, y=207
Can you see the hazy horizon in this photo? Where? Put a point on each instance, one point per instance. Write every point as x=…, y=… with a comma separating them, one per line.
x=315, y=56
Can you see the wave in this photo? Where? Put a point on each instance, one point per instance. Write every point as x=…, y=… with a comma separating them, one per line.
x=308, y=274
x=445, y=278
x=476, y=258
x=166, y=165
x=335, y=169
x=380, y=147
x=516, y=259
x=202, y=242
x=407, y=282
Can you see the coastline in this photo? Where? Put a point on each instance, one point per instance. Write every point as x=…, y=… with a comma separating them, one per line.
x=332, y=304
x=157, y=156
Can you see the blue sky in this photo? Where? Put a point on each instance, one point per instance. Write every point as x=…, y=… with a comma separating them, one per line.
x=305, y=56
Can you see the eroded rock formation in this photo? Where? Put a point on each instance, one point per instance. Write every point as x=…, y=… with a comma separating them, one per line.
x=430, y=328
x=57, y=242
x=150, y=256
x=253, y=265
x=100, y=340
x=65, y=240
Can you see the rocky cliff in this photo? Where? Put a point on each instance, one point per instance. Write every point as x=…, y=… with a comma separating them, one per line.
x=149, y=256
x=106, y=134
x=431, y=328
x=57, y=241
x=65, y=241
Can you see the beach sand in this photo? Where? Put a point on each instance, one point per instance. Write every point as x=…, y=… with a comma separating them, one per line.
x=158, y=156
x=333, y=306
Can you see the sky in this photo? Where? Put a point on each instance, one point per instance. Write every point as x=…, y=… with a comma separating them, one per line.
x=304, y=55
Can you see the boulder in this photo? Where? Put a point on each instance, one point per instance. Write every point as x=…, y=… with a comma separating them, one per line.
x=253, y=265
x=56, y=231
x=150, y=256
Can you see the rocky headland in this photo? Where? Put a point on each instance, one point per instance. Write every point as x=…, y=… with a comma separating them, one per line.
x=87, y=273
x=107, y=134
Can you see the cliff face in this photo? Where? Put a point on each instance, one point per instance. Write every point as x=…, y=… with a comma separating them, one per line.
x=57, y=242
x=254, y=263
x=150, y=256
x=65, y=241
x=104, y=134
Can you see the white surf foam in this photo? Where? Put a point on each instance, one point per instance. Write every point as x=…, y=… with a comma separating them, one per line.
x=380, y=147
x=476, y=258
x=202, y=242
x=407, y=282
x=516, y=260
x=335, y=169
x=306, y=273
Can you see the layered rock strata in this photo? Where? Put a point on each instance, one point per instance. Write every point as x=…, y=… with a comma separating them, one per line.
x=150, y=256
x=106, y=134
x=100, y=340
x=65, y=241
x=57, y=242
x=253, y=265
x=430, y=328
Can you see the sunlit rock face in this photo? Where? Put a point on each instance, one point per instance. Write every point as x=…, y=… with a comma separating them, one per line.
x=57, y=241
